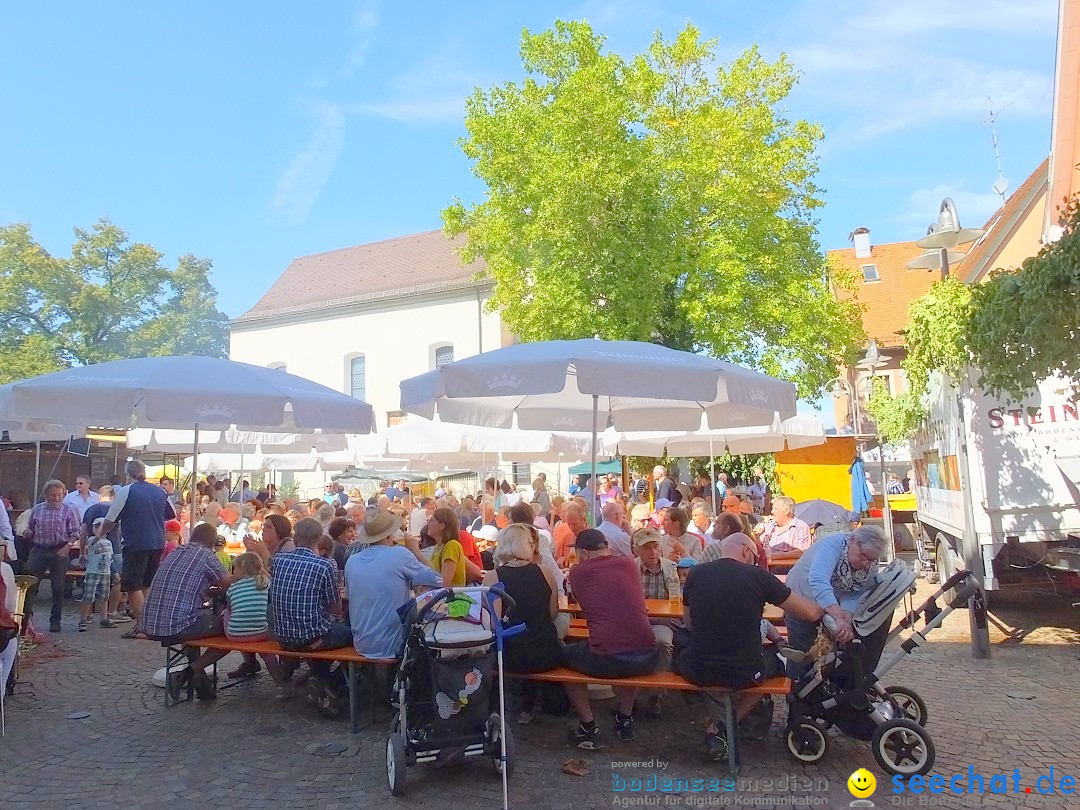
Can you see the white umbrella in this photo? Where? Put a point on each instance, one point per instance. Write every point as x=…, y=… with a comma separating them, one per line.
x=163, y=440
x=577, y=385
x=184, y=392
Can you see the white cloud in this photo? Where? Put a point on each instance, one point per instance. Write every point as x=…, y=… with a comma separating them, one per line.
x=365, y=21
x=301, y=182
x=895, y=65
x=432, y=91
x=974, y=207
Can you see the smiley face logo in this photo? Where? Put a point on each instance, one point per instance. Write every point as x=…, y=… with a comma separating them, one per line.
x=861, y=783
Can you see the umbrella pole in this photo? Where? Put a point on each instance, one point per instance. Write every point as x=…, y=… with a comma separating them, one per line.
x=240, y=499
x=712, y=475
x=193, y=505
x=592, y=479
x=37, y=471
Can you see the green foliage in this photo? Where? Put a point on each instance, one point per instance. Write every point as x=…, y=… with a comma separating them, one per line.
x=111, y=299
x=660, y=198
x=935, y=339
x=1024, y=325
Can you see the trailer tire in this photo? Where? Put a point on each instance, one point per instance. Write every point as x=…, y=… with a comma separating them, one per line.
x=948, y=563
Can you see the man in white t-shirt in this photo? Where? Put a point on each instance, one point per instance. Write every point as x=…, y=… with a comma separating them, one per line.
x=82, y=497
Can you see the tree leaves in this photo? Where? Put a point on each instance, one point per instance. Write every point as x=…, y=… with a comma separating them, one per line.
x=660, y=198
x=111, y=299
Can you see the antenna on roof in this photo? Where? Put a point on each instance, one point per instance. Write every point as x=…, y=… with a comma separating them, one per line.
x=1001, y=184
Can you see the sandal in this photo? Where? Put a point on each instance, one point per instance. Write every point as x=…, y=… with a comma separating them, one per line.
x=135, y=633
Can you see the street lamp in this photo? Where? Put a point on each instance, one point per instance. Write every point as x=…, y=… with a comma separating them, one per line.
x=941, y=237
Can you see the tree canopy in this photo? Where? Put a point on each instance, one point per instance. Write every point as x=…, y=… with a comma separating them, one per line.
x=1016, y=329
x=109, y=300
x=661, y=198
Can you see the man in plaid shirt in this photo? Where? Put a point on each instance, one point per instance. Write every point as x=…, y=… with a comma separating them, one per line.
x=304, y=601
x=174, y=610
x=659, y=580
x=52, y=529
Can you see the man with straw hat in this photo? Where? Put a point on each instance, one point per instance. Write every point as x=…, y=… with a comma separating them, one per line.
x=380, y=574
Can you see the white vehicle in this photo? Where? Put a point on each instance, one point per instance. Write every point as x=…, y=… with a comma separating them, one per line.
x=1015, y=504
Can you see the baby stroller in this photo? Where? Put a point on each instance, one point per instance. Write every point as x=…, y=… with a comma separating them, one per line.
x=443, y=688
x=843, y=688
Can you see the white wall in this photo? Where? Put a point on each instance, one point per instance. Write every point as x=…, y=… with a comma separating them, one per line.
x=397, y=338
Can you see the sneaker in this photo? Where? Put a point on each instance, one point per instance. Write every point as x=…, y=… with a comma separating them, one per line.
x=108, y=623
x=624, y=727
x=716, y=749
x=119, y=618
x=54, y=627
x=587, y=739
x=82, y=626
x=204, y=687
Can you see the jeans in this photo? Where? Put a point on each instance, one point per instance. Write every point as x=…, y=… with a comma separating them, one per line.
x=56, y=563
x=801, y=636
x=339, y=635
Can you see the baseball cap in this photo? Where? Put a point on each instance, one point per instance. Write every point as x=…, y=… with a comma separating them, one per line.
x=172, y=525
x=686, y=562
x=732, y=500
x=590, y=540
x=643, y=536
x=663, y=503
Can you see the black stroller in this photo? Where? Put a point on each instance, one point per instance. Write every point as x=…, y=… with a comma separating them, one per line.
x=843, y=687
x=444, y=685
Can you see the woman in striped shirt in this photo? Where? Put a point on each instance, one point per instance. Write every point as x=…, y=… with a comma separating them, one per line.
x=245, y=618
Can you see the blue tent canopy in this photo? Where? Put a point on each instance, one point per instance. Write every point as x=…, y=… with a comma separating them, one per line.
x=602, y=467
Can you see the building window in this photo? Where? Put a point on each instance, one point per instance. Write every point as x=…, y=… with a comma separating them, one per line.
x=395, y=418
x=358, y=377
x=870, y=273
x=444, y=355
x=521, y=473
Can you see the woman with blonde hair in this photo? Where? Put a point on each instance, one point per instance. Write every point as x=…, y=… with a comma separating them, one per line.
x=536, y=604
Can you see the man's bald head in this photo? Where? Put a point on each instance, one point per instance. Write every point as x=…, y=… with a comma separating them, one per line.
x=739, y=547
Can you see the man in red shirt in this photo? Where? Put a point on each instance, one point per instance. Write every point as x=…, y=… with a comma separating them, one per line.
x=621, y=641
x=564, y=534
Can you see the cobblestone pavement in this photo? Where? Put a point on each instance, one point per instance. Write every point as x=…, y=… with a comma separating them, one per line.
x=248, y=749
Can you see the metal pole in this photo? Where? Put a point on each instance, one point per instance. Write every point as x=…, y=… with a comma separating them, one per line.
x=886, y=510
x=37, y=471
x=712, y=473
x=194, y=505
x=592, y=480
x=978, y=627
x=240, y=499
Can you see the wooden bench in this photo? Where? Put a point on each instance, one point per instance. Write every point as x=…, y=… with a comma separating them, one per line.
x=353, y=661
x=669, y=680
x=578, y=631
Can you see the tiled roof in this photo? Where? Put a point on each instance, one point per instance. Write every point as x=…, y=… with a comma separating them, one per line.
x=406, y=265
x=885, y=303
x=1002, y=224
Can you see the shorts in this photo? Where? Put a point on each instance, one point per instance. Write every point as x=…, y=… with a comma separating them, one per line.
x=139, y=567
x=96, y=586
x=624, y=665
x=733, y=677
x=117, y=564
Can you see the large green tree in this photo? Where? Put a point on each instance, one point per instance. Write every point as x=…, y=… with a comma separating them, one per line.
x=661, y=198
x=110, y=299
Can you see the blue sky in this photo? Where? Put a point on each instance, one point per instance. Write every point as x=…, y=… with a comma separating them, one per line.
x=250, y=133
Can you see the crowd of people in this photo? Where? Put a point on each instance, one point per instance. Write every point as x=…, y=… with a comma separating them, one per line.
x=334, y=571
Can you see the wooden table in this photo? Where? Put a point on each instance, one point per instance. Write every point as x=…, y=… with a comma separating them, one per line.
x=663, y=609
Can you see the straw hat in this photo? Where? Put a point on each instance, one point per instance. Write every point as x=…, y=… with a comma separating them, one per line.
x=378, y=525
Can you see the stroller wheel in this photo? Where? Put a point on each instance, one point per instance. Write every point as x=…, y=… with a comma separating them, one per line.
x=395, y=764
x=908, y=704
x=903, y=748
x=495, y=731
x=806, y=741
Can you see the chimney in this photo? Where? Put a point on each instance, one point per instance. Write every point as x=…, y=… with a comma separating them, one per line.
x=861, y=238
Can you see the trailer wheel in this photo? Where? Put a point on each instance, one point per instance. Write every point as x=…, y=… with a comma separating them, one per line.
x=948, y=563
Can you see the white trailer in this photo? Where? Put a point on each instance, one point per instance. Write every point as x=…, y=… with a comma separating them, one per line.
x=997, y=483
